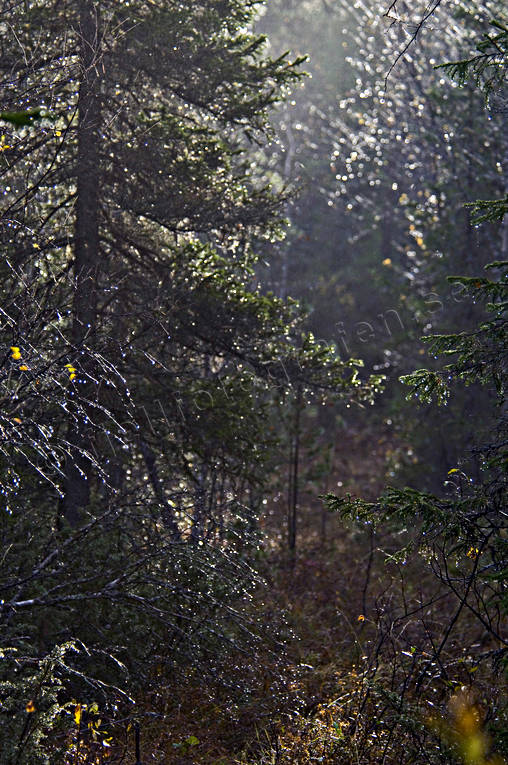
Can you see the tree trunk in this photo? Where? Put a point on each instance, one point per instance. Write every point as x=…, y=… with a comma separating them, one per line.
x=86, y=247
x=504, y=225
x=293, y=483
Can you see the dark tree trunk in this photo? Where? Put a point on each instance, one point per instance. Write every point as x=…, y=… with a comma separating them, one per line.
x=86, y=246
x=293, y=482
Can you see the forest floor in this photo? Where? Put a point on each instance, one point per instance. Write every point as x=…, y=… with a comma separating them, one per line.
x=335, y=698
x=320, y=602
x=350, y=622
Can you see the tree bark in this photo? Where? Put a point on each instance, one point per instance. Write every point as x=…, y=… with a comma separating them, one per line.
x=293, y=483
x=86, y=247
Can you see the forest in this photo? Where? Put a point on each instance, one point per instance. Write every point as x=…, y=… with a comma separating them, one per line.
x=254, y=424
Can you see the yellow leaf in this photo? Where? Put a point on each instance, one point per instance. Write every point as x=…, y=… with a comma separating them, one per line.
x=30, y=707
x=72, y=376
x=24, y=368
x=77, y=714
x=387, y=262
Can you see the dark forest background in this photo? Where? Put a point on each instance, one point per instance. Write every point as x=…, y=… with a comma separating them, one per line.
x=253, y=417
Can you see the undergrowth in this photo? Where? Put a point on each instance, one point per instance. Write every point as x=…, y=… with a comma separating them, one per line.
x=358, y=682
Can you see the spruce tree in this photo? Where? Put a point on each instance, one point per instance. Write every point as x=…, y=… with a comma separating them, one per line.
x=462, y=533
x=142, y=359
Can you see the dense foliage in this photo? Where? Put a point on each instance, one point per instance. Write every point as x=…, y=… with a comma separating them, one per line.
x=183, y=213
x=142, y=362
x=462, y=532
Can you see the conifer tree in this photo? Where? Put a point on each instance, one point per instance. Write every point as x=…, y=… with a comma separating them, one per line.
x=463, y=532
x=141, y=358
